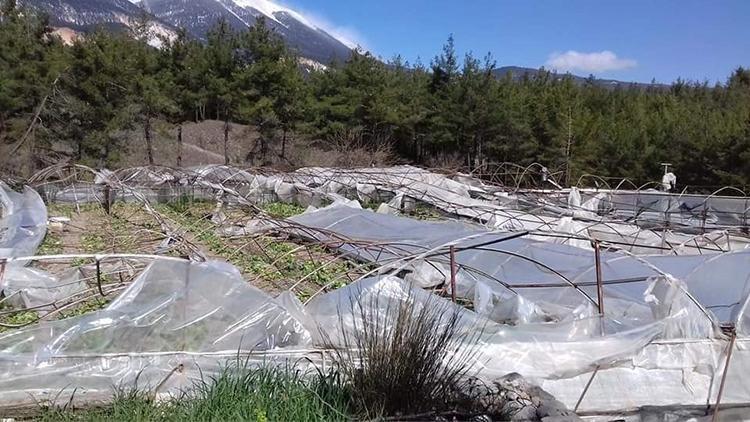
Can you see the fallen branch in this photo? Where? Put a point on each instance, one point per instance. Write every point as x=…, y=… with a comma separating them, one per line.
x=34, y=121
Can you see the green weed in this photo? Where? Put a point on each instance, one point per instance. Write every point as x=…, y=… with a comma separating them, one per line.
x=237, y=394
x=282, y=210
x=52, y=245
x=17, y=318
x=92, y=242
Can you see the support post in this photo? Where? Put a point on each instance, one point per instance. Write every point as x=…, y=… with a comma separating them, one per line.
x=599, y=282
x=107, y=204
x=453, y=273
x=599, y=285
x=179, y=145
x=732, y=338
x=185, y=299
x=586, y=389
x=2, y=269
x=99, y=277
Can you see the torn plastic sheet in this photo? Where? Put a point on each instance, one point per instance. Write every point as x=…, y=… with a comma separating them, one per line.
x=175, y=314
x=464, y=200
x=31, y=288
x=633, y=368
x=556, y=337
x=543, y=274
x=546, y=351
x=24, y=222
x=42, y=292
x=179, y=321
x=171, y=305
x=366, y=181
x=24, y=226
x=239, y=185
x=401, y=186
x=652, y=207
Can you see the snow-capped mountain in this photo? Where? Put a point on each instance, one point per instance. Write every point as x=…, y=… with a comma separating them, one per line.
x=84, y=15
x=197, y=17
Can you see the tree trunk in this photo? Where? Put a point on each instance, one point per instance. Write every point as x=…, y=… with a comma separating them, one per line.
x=226, y=142
x=32, y=157
x=179, y=145
x=283, y=144
x=104, y=154
x=418, y=142
x=149, y=145
x=479, y=154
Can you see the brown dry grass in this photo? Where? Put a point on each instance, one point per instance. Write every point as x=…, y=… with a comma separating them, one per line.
x=203, y=143
x=344, y=149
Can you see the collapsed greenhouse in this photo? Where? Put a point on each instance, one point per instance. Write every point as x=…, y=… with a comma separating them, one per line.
x=614, y=300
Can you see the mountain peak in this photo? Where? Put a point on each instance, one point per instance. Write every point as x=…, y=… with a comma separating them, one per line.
x=280, y=14
x=308, y=38
x=269, y=9
x=300, y=33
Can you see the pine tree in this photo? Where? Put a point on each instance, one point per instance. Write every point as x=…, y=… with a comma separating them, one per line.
x=31, y=63
x=269, y=86
x=222, y=63
x=99, y=88
x=92, y=96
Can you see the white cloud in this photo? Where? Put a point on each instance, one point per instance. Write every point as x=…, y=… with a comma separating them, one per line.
x=588, y=62
x=348, y=35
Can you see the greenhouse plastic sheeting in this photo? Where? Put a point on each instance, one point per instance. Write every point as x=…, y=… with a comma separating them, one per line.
x=634, y=368
x=24, y=222
x=402, y=185
x=650, y=207
x=174, y=315
x=24, y=225
x=180, y=321
x=690, y=210
x=683, y=357
x=540, y=276
x=505, y=212
x=35, y=289
x=535, y=351
x=657, y=343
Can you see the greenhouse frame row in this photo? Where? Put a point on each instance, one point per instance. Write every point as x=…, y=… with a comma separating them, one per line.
x=613, y=300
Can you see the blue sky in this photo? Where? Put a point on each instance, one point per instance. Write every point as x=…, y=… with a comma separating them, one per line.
x=636, y=40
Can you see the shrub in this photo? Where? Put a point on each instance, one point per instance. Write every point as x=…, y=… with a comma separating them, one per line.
x=407, y=356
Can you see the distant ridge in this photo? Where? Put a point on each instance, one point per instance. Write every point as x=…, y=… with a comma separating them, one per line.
x=517, y=73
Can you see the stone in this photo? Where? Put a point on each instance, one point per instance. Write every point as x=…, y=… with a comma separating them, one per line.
x=513, y=398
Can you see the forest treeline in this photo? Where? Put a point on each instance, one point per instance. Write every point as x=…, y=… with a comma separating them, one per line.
x=456, y=109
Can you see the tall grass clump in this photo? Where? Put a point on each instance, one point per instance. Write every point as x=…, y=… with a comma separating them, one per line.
x=406, y=356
